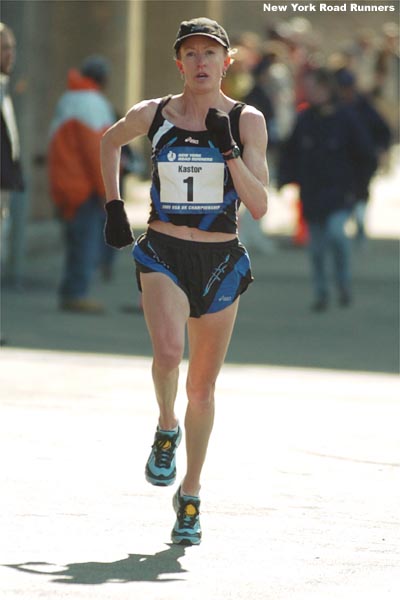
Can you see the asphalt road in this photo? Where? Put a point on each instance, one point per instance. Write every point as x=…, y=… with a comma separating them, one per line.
x=274, y=326
x=300, y=495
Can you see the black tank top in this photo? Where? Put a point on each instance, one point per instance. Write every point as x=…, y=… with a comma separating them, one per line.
x=191, y=184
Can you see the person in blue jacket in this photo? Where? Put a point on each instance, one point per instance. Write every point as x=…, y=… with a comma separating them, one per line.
x=323, y=154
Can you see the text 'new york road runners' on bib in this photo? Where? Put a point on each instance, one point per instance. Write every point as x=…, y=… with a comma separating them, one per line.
x=191, y=181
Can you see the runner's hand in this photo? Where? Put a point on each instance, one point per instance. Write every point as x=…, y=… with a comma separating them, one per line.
x=218, y=124
x=117, y=230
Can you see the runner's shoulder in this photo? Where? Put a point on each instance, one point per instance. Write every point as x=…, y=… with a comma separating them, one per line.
x=143, y=113
x=252, y=114
x=252, y=124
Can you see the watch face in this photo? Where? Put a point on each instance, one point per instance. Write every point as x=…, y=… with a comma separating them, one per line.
x=235, y=151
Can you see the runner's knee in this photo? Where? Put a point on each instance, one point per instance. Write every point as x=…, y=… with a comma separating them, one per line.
x=200, y=393
x=168, y=354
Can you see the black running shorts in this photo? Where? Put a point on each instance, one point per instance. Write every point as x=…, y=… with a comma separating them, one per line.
x=212, y=274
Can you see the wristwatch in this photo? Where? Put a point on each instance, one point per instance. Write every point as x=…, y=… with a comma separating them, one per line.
x=233, y=153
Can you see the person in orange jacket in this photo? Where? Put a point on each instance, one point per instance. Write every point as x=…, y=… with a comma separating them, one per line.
x=81, y=117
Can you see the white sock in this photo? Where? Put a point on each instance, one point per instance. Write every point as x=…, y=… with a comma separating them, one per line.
x=175, y=430
x=183, y=493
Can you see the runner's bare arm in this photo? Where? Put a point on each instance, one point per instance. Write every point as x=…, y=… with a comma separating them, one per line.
x=135, y=123
x=250, y=175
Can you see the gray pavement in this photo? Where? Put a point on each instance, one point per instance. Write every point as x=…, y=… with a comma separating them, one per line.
x=275, y=325
x=300, y=490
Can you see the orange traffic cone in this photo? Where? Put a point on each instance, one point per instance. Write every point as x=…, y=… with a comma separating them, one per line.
x=300, y=236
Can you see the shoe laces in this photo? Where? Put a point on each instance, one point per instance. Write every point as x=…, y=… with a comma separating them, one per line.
x=164, y=451
x=188, y=514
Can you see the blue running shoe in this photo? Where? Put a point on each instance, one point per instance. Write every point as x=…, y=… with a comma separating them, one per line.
x=187, y=530
x=161, y=465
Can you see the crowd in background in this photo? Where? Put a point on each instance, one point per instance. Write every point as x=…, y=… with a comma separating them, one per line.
x=331, y=119
x=269, y=72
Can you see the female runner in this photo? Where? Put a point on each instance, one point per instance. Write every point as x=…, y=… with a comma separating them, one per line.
x=208, y=155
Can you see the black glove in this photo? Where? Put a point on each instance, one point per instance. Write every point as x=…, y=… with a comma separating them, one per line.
x=117, y=231
x=218, y=124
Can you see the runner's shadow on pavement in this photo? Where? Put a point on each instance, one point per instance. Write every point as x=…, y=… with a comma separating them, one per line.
x=136, y=567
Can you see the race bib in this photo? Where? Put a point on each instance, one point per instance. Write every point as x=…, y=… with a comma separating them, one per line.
x=191, y=180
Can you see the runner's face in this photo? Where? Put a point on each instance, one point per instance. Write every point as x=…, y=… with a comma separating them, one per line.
x=202, y=61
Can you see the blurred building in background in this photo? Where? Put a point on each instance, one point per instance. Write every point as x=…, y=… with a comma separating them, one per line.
x=137, y=37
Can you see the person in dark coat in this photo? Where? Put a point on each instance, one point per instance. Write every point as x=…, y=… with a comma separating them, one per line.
x=327, y=146
x=11, y=171
x=380, y=135
x=257, y=96
x=251, y=232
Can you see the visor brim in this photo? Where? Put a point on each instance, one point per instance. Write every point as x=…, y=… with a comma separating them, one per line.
x=179, y=41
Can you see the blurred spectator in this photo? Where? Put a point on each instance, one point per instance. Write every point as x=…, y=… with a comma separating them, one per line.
x=258, y=95
x=380, y=135
x=362, y=59
x=339, y=59
x=81, y=116
x=246, y=81
x=322, y=155
x=280, y=88
x=238, y=81
x=132, y=163
x=12, y=184
x=251, y=233
x=302, y=50
x=252, y=43
x=387, y=76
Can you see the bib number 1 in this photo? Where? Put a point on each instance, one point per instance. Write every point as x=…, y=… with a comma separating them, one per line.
x=189, y=181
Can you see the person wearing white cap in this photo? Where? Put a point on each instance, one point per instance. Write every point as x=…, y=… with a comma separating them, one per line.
x=208, y=156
